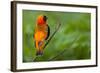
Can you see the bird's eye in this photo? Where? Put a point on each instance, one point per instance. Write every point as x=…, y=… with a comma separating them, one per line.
x=44, y=18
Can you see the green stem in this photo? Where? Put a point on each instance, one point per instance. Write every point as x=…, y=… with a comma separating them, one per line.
x=57, y=28
x=62, y=52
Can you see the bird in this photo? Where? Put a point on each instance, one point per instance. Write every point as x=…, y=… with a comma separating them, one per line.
x=41, y=34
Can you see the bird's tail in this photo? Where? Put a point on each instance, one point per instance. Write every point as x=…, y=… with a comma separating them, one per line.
x=39, y=52
x=39, y=47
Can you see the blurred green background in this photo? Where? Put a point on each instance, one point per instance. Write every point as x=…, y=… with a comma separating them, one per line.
x=71, y=42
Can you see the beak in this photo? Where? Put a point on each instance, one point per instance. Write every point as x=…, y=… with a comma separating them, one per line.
x=45, y=18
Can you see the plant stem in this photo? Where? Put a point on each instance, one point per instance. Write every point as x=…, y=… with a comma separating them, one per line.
x=49, y=39
x=57, y=28
x=62, y=52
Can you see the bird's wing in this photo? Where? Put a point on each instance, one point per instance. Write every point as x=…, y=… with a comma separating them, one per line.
x=48, y=32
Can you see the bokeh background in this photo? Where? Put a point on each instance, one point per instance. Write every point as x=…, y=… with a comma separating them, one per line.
x=71, y=42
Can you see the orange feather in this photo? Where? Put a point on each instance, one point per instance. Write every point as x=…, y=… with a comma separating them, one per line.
x=40, y=34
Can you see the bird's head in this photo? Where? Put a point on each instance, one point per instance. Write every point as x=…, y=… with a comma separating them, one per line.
x=41, y=19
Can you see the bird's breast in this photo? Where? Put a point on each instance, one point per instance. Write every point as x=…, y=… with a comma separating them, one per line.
x=39, y=35
x=41, y=32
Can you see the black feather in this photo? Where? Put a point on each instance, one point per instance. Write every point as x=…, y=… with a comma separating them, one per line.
x=48, y=33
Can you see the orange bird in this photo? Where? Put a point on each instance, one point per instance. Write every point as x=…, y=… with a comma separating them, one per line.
x=41, y=34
